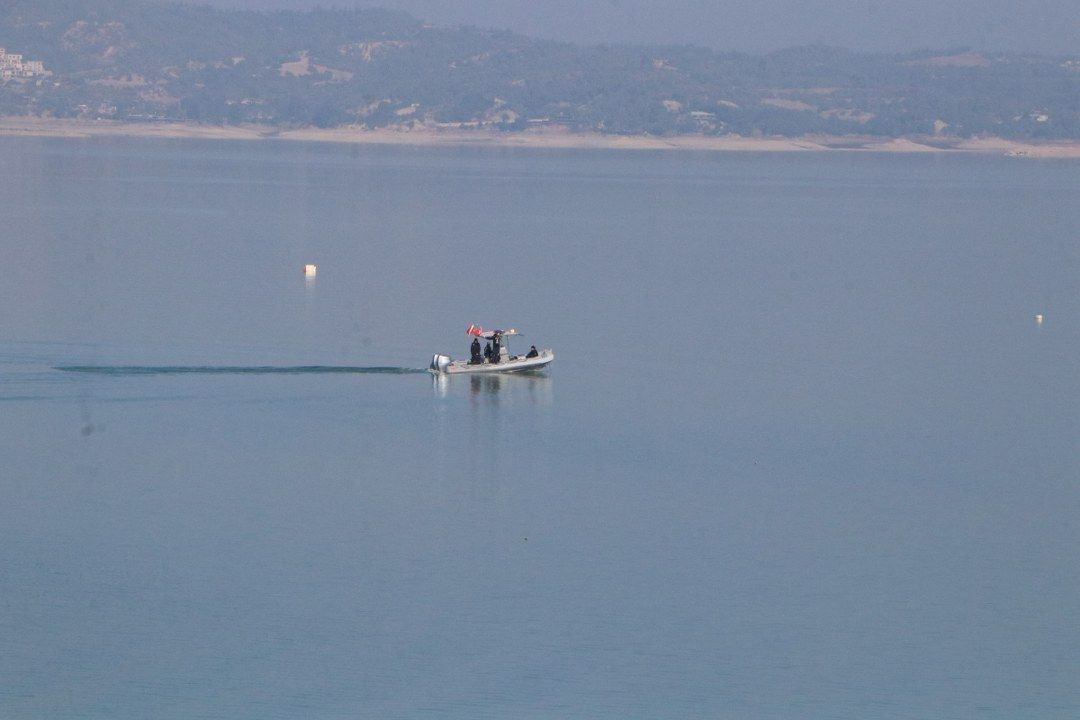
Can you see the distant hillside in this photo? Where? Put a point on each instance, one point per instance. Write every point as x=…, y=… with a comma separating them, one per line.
x=134, y=60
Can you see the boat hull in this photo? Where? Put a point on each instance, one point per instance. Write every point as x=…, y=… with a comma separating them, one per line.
x=516, y=364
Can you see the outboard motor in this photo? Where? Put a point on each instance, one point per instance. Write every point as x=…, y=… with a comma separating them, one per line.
x=439, y=363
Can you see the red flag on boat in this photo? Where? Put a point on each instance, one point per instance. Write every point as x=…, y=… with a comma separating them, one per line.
x=475, y=330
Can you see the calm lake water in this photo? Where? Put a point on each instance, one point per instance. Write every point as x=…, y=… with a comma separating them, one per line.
x=803, y=453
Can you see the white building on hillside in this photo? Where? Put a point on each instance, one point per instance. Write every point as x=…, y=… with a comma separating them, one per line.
x=12, y=66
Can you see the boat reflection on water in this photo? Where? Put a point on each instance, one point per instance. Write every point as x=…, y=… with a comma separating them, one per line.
x=485, y=385
x=511, y=389
x=441, y=385
x=520, y=388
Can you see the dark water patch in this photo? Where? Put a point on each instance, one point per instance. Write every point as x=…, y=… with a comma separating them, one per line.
x=236, y=370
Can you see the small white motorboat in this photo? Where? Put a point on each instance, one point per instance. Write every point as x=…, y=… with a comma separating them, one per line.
x=498, y=360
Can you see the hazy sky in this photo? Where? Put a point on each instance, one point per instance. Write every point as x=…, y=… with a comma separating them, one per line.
x=1045, y=26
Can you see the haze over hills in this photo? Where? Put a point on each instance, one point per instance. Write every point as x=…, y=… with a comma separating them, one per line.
x=134, y=60
x=1034, y=26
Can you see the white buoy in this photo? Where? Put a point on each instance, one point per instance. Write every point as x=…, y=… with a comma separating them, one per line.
x=310, y=270
x=1038, y=319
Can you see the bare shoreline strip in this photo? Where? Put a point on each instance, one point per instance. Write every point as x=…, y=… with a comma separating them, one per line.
x=553, y=138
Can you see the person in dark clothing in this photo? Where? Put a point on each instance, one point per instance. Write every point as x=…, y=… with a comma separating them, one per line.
x=487, y=351
x=496, y=348
x=474, y=351
x=532, y=352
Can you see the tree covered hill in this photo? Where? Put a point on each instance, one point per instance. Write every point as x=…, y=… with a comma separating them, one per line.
x=140, y=60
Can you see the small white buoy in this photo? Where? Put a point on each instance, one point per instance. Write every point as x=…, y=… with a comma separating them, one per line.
x=310, y=270
x=1038, y=319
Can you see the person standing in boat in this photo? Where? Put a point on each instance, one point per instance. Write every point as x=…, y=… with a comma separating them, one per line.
x=474, y=352
x=496, y=347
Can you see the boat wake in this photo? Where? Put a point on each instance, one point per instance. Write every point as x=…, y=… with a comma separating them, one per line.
x=237, y=370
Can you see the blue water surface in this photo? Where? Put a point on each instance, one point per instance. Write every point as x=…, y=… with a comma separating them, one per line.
x=804, y=451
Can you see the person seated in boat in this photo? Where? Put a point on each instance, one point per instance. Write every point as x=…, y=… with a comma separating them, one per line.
x=532, y=352
x=474, y=352
x=487, y=352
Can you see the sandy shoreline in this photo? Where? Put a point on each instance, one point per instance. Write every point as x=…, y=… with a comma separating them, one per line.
x=546, y=138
